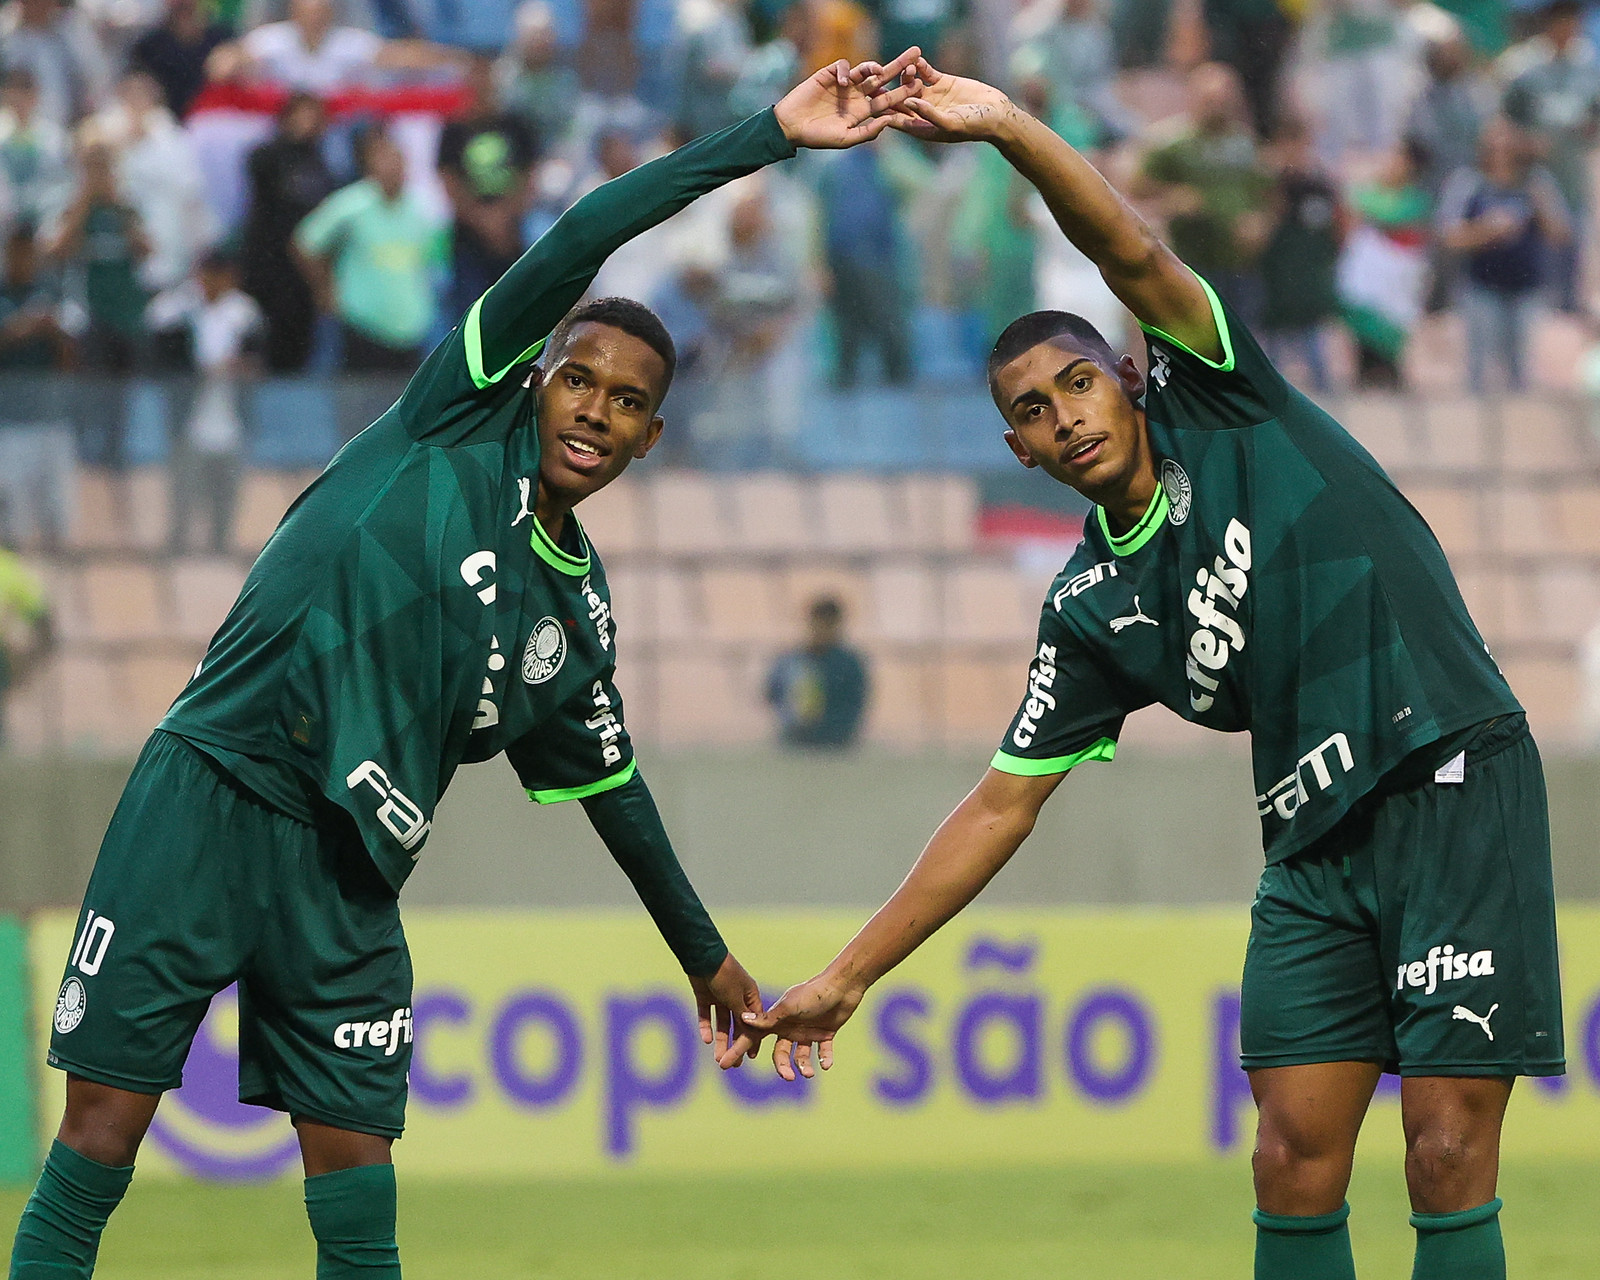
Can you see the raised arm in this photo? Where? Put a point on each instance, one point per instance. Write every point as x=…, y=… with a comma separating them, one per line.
x=970, y=846
x=828, y=110
x=627, y=820
x=1146, y=276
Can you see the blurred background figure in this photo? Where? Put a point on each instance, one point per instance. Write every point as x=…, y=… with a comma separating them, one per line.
x=1209, y=186
x=861, y=229
x=31, y=336
x=26, y=633
x=57, y=45
x=174, y=52
x=1298, y=262
x=1504, y=217
x=366, y=253
x=820, y=691
x=486, y=158
x=289, y=177
x=1553, y=91
x=217, y=334
x=1383, y=266
x=35, y=153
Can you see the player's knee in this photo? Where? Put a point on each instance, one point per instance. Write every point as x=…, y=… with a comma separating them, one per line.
x=1299, y=1165
x=1444, y=1165
x=103, y=1134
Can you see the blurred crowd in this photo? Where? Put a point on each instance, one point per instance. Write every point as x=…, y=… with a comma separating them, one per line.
x=237, y=188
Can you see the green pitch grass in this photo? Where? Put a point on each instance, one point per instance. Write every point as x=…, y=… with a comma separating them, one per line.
x=1108, y=1223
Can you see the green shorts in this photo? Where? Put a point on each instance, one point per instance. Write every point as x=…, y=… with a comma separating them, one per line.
x=1420, y=932
x=199, y=884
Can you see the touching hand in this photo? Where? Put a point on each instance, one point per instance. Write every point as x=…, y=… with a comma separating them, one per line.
x=834, y=109
x=940, y=108
x=722, y=1000
x=804, y=1019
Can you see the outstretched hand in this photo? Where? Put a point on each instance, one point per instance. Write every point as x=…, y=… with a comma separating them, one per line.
x=805, y=1016
x=722, y=1001
x=939, y=107
x=834, y=108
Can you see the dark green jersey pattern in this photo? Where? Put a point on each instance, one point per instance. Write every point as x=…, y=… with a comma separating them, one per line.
x=1279, y=583
x=409, y=614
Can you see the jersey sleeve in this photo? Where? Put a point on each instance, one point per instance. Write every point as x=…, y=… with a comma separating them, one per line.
x=1069, y=714
x=581, y=751
x=508, y=324
x=1243, y=389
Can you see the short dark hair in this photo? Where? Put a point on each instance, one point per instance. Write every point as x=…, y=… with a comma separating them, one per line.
x=827, y=609
x=633, y=318
x=1027, y=332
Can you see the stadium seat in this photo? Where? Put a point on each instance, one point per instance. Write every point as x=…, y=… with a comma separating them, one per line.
x=614, y=520
x=741, y=605
x=1524, y=521
x=203, y=590
x=1538, y=434
x=1488, y=595
x=148, y=520
x=686, y=514
x=1578, y=514
x=262, y=502
x=901, y=691
x=941, y=511
x=97, y=512
x=1549, y=689
x=92, y=712
x=987, y=603
x=858, y=515
x=905, y=602
x=1455, y=429
x=1454, y=515
x=123, y=601
x=974, y=699
x=771, y=513
x=151, y=681
x=656, y=603
x=706, y=700
x=1385, y=425
x=1567, y=601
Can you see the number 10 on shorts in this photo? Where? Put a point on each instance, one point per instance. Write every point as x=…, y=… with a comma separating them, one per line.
x=92, y=944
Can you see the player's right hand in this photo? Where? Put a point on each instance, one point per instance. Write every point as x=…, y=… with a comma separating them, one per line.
x=804, y=1021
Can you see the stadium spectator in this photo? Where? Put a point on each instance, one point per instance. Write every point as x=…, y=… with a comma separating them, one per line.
x=928, y=24
x=820, y=690
x=1302, y=251
x=836, y=29
x=365, y=250
x=1553, y=91
x=538, y=84
x=485, y=161
x=26, y=632
x=160, y=175
x=31, y=336
x=773, y=64
x=289, y=177
x=1359, y=62
x=57, y=44
x=994, y=245
x=1383, y=267
x=35, y=154
x=219, y=331
x=1503, y=216
x=711, y=46
x=308, y=52
x=1209, y=186
x=1069, y=42
x=862, y=241
x=175, y=51
x=1449, y=112
x=1252, y=37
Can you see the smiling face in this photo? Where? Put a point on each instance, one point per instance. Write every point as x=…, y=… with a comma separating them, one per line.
x=1071, y=413
x=597, y=409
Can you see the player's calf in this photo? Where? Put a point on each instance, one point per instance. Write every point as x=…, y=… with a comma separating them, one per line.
x=350, y=1201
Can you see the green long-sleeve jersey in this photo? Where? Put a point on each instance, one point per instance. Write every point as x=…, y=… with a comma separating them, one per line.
x=410, y=614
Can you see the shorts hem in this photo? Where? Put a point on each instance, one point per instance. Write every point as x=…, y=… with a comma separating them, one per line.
x=276, y=1102
x=110, y=1078
x=1484, y=1068
x=1259, y=1061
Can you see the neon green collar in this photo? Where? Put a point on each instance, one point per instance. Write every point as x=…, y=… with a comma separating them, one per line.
x=554, y=556
x=1155, y=515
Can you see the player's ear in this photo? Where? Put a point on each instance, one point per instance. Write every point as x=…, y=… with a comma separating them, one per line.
x=1132, y=380
x=652, y=433
x=1020, y=449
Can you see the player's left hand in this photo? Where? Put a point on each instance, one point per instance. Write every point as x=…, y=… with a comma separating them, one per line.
x=721, y=1001
x=834, y=108
x=940, y=107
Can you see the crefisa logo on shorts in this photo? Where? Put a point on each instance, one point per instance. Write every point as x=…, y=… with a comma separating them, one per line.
x=1444, y=964
x=387, y=1034
x=546, y=651
x=70, y=1004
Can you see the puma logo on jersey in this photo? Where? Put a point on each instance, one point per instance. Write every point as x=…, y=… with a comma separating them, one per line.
x=525, y=498
x=1462, y=1014
x=1160, y=366
x=1213, y=601
x=1138, y=615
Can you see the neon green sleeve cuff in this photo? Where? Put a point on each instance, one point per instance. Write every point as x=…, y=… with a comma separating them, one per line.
x=1223, y=336
x=1022, y=767
x=618, y=779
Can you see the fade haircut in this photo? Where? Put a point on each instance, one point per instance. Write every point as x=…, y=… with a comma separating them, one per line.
x=633, y=318
x=1027, y=332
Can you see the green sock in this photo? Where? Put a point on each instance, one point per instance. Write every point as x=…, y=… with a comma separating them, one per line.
x=1460, y=1246
x=59, y=1234
x=352, y=1214
x=1296, y=1248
